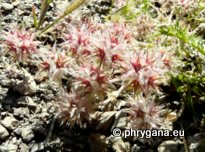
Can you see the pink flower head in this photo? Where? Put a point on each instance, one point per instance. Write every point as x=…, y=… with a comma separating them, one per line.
x=20, y=43
x=112, y=44
x=55, y=62
x=145, y=70
x=167, y=58
x=107, y=42
x=74, y=109
x=92, y=79
x=144, y=113
x=77, y=39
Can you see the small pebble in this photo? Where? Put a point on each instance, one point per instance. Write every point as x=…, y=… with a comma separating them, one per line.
x=3, y=132
x=9, y=122
x=7, y=6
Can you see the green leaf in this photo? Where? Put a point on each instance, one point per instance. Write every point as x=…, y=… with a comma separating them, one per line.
x=184, y=36
x=166, y=30
x=120, y=12
x=34, y=17
x=189, y=103
x=182, y=89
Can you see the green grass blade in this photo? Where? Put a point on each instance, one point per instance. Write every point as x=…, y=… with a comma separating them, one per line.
x=34, y=17
x=189, y=104
x=68, y=10
x=44, y=9
x=73, y=6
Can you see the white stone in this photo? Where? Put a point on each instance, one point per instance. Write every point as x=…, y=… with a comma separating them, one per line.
x=3, y=132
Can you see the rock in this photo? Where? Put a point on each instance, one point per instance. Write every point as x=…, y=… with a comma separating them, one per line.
x=52, y=108
x=3, y=132
x=119, y=145
x=41, y=76
x=37, y=147
x=24, y=100
x=7, y=6
x=43, y=115
x=32, y=106
x=27, y=101
x=61, y=4
x=169, y=146
x=4, y=114
x=27, y=86
x=39, y=109
x=14, y=140
x=28, y=21
x=135, y=148
x=3, y=92
x=20, y=12
x=26, y=133
x=21, y=112
x=55, y=144
x=17, y=131
x=15, y=3
x=4, y=81
x=49, y=90
x=8, y=148
x=9, y=122
x=196, y=143
x=23, y=147
x=1, y=109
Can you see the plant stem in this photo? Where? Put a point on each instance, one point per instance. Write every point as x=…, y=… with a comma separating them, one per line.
x=70, y=9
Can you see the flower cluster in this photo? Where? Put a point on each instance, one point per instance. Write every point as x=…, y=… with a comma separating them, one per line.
x=55, y=61
x=77, y=39
x=75, y=109
x=144, y=113
x=101, y=62
x=146, y=70
x=89, y=79
x=106, y=42
x=108, y=65
x=20, y=43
